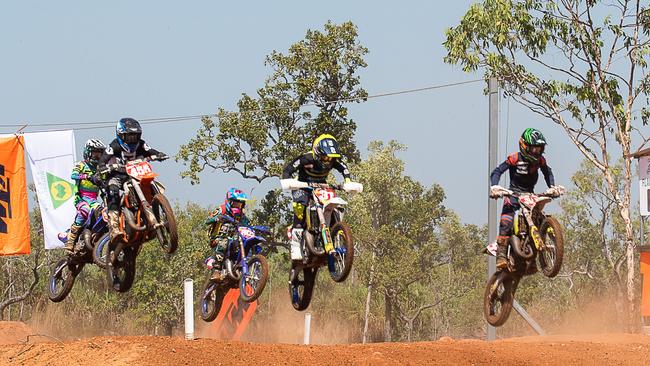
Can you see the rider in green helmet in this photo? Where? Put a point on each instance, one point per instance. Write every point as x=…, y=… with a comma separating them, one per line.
x=524, y=167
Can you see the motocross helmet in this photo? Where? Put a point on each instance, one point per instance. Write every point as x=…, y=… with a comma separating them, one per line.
x=93, y=150
x=532, y=144
x=326, y=148
x=235, y=202
x=128, y=132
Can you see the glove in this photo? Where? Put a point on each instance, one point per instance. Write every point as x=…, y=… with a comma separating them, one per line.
x=555, y=191
x=353, y=187
x=96, y=179
x=498, y=191
x=291, y=183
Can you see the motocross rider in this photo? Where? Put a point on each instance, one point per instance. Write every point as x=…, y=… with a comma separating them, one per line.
x=87, y=181
x=523, y=167
x=126, y=146
x=312, y=167
x=220, y=231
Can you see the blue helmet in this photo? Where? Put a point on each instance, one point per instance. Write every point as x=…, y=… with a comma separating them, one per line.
x=128, y=133
x=235, y=202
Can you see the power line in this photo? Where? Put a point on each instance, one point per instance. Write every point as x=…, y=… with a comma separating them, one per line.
x=108, y=124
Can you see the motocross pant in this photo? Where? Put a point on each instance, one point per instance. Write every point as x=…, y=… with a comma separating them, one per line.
x=510, y=206
x=84, y=205
x=113, y=191
x=300, y=202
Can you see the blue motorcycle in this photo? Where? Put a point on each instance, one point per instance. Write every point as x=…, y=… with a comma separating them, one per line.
x=88, y=248
x=244, y=267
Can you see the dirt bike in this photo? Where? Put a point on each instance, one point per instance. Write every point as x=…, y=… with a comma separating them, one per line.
x=536, y=235
x=244, y=267
x=326, y=240
x=145, y=214
x=94, y=233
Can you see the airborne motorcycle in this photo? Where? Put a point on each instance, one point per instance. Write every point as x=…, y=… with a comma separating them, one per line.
x=326, y=240
x=245, y=267
x=536, y=236
x=145, y=214
x=94, y=234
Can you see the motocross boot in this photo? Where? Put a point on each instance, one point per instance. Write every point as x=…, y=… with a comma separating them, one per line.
x=502, y=253
x=114, y=226
x=217, y=267
x=296, y=240
x=72, y=237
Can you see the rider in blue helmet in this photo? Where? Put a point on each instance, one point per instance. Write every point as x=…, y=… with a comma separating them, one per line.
x=127, y=146
x=220, y=231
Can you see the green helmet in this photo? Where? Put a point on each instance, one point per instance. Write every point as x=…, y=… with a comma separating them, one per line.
x=532, y=144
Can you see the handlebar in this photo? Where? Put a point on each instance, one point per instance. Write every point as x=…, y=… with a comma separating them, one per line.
x=121, y=168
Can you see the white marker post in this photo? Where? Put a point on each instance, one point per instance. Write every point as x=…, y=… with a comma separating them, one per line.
x=307, y=328
x=188, y=289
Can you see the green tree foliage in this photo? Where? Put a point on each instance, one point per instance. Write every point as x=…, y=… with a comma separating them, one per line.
x=272, y=127
x=395, y=221
x=581, y=64
x=158, y=289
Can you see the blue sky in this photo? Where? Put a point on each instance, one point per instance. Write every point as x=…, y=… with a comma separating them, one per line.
x=75, y=61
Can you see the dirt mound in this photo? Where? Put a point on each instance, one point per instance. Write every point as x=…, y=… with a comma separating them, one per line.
x=14, y=332
x=572, y=350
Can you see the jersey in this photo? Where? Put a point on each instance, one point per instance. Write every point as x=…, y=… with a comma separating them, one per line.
x=86, y=188
x=523, y=174
x=312, y=170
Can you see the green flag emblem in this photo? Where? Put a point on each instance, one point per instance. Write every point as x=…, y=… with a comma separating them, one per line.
x=60, y=190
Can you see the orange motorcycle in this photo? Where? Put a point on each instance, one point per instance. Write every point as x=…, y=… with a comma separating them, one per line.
x=145, y=214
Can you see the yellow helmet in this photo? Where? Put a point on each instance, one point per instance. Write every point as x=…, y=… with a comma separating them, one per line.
x=326, y=146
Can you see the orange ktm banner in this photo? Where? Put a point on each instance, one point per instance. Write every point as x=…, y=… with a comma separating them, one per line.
x=14, y=213
x=645, y=292
x=234, y=316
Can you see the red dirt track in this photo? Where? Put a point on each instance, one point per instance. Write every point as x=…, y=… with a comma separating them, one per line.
x=616, y=349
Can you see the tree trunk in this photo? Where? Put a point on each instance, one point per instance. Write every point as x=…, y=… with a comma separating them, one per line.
x=368, y=297
x=633, y=322
x=388, y=315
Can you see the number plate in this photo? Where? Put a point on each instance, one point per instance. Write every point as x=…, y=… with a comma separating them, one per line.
x=325, y=195
x=139, y=170
x=246, y=232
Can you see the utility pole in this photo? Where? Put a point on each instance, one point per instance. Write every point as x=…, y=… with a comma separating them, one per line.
x=493, y=152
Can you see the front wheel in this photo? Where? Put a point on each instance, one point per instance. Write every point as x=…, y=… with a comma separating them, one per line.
x=301, y=286
x=100, y=252
x=550, y=258
x=211, y=300
x=252, y=284
x=62, y=279
x=167, y=234
x=120, y=269
x=498, y=298
x=339, y=262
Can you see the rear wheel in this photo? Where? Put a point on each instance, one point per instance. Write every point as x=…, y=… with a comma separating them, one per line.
x=252, y=284
x=550, y=259
x=498, y=298
x=211, y=300
x=339, y=262
x=301, y=287
x=120, y=269
x=62, y=279
x=167, y=234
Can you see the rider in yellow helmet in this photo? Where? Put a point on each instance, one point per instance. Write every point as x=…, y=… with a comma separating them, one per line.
x=313, y=167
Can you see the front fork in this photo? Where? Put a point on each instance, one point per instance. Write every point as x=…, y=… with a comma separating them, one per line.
x=325, y=232
x=146, y=206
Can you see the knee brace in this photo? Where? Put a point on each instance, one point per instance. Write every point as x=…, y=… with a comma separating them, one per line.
x=298, y=215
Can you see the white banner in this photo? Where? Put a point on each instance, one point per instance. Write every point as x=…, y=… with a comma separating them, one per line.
x=51, y=157
x=644, y=185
